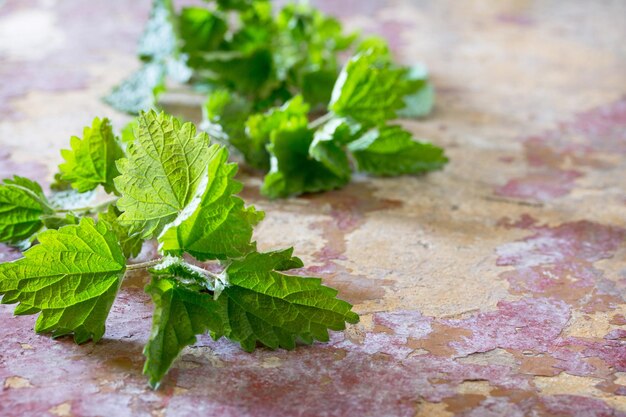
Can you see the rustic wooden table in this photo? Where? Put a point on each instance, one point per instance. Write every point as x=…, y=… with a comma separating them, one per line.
x=493, y=288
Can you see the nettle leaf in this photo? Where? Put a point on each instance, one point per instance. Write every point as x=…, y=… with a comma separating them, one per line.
x=71, y=277
x=390, y=150
x=159, y=38
x=328, y=145
x=138, y=92
x=215, y=225
x=158, y=49
x=91, y=161
x=22, y=204
x=371, y=89
x=161, y=174
x=421, y=102
x=224, y=117
x=293, y=171
x=201, y=30
x=131, y=243
x=267, y=306
x=260, y=128
x=180, y=313
x=176, y=268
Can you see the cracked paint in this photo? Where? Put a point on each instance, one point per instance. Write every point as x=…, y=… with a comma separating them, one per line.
x=471, y=304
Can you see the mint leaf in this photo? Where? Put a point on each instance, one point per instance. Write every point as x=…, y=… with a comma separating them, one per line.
x=180, y=313
x=390, y=150
x=130, y=243
x=71, y=277
x=161, y=173
x=371, y=89
x=22, y=203
x=265, y=305
x=293, y=171
x=215, y=225
x=91, y=161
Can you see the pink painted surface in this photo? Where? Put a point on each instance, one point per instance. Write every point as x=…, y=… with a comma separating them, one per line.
x=493, y=288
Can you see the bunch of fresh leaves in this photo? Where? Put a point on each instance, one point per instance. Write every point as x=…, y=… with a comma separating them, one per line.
x=171, y=184
x=357, y=132
x=238, y=45
x=251, y=60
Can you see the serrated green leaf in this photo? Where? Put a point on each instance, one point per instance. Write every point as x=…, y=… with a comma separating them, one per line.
x=371, y=89
x=390, y=150
x=201, y=30
x=22, y=203
x=91, y=160
x=215, y=225
x=328, y=147
x=421, y=102
x=192, y=276
x=238, y=4
x=293, y=171
x=127, y=135
x=71, y=277
x=224, y=118
x=161, y=173
x=56, y=221
x=159, y=38
x=138, y=92
x=158, y=49
x=265, y=305
x=131, y=243
x=179, y=315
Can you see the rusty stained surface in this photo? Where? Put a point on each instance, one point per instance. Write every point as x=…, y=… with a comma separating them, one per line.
x=493, y=288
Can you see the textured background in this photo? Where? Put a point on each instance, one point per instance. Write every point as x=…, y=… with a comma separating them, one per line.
x=495, y=287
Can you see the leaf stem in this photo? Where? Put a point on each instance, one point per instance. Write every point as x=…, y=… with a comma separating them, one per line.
x=90, y=209
x=143, y=265
x=320, y=120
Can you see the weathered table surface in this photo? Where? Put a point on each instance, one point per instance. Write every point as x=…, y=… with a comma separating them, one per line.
x=495, y=287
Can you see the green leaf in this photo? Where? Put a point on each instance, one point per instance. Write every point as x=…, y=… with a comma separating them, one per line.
x=56, y=221
x=371, y=89
x=421, y=102
x=91, y=161
x=194, y=277
x=237, y=4
x=215, y=225
x=180, y=313
x=159, y=39
x=390, y=150
x=128, y=131
x=260, y=128
x=131, y=243
x=265, y=305
x=293, y=171
x=138, y=92
x=201, y=30
x=224, y=118
x=71, y=277
x=158, y=49
x=161, y=174
x=328, y=146
x=22, y=203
